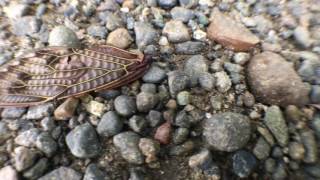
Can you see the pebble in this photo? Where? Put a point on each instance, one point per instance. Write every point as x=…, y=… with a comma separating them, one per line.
x=243, y=163
x=201, y=160
x=137, y=123
x=241, y=58
x=262, y=149
x=296, y=150
x=190, y=47
x=128, y=144
x=63, y=36
x=223, y=82
x=83, y=141
x=280, y=171
x=176, y=31
x=24, y=158
x=154, y=118
x=62, y=173
x=315, y=124
x=182, y=149
x=310, y=145
x=177, y=82
x=181, y=14
x=233, y=68
x=40, y=111
x=27, y=138
x=146, y=101
x=230, y=33
x=276, y=123
x=167, y=4
x=188, y=3
x=207, y=81
x=94, y=173
x=46, y=144
x=150, y=149
x=199, y=35
x=183, y=98
x=125, y=105
x=9, y=173
x=180, y=135
x=15, y=10
x=163, y=133
x=315, y=94
x=96, y=108
x=4, y=132
x=302, y=37
x=309, y=68
x=194, y=67
x=149, y=88
x=138, y=173
x=97, y=31
x=27, y=25
x=12, y=112
x=274, y=81
x=113, y=21
x=109, y=94
x=110, y=124
x=120, y=38
x=182, y=119
x=227, y=131
x=66, y=109
x=155, y=74
x=216, y=102
x=47, y=124
x=37, y=170
x=145, y=34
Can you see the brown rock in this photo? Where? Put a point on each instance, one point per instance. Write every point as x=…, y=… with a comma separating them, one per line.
x=230, y=33
x=66, y=109
x=163, y=133
x=274, y=81
x=120, y=38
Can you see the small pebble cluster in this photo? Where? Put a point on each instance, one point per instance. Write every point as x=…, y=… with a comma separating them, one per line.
x=233, y=92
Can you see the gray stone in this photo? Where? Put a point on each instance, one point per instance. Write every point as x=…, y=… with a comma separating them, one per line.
x=83, y=141
x=63, y=36
x=280, y=171
x=182, y=14
x=188, y=3
x=261, y=149
x=302, y=36
x=176, y=31
x=276, y=123
x=241, y=58
x=194, y=67
x=154, y=118
x=24, y=158
x=27, y=138
x=310, y=145
x=97, y=31
x=154, y=75
x=149, y=88
x=62, y=173
x=183, y=119
x=183, y=98
x=4, y=132
x=223, y=82
x=125, y=105
x=128, y=144
x=207, y=81
x=180, y=135
x=167, y=4
x=177, y=82
x=145, y=34
x=37, y=170
x=12, y=112
x=138, y=173
x=137, y=123
x=313, y=170
x=296, y=151
x=315, y=94
x=146, y=101
x=40, y=111
x=227, y=131
x=110, y=124
x=94, y=173
x=233, y=68
x=190, y=47
x=46, y=144
x=243, y=163
x=182, y=149
x=47, y=124
x=27, y=25
x=309, y=68
x=9, y=173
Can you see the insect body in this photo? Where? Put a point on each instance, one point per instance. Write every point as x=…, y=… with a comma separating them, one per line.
x=60, y=72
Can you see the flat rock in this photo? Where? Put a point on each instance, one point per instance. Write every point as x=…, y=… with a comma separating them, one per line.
x=230, y=33
x=274, y=81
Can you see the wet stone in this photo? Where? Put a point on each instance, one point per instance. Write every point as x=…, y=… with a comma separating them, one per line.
x=125, y=105
x=27, y=138
x=24, y=158
x=227, y=131
x=83, y=141
x=137, y=123
x=146, y=101
x=46, y=144
x=97, y=31
x=9, y=173
x=182, y=14
x=120, y=38
x=110, y=124
x=194, y=67
x=27, y=25
x=40, y=111
x=94, y=173
x=37, y=170
x=62, y=173
x=176, y=31
x=243, y=163
x=155, y=74
x=63, y=36
x=154, y=118
x=128, y=145
x=12, y=113
x=190, y=47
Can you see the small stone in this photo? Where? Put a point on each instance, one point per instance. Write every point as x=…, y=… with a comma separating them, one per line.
x=182, y=14
x=97, y=31
x=262, y=149
x=195, y=66
x=296, y=150
x=183, y=98
x=83, y=141
x=94, y=173
x=190, y=47
x=149, y=88
x=63, y=36
x=96, y=108
x=163, y=133
x=138, y=173
x=24, y=158
x=182, y=149
x=40, y=111
x=202, y=160
x=233, y=68
x=128, y=144
x=227, y=131
x=66, y=109
x=47, y=124
x=223, y=82
x=180, y=135
x=167, y=4
x=241, y=58
x=46, y=144
x=243, y=163
x=310, y=146
x=27, y=25
x=176, y=31
x=270, y=165
x=248, y=99
x=27, y=138
x=199, y=35
x=280, y=171
x=216, y=102
x=113, y=21
x=154, y=75
x=277, y=152
x=315, y=94
x=230, y=33
x=137, y=123
x=9, y=173
x=150, y=149
x=120, y=38
x=146, y=101
x=12, y=112
x=177, y=82
x=183, y=119
x=276, y=123
x=163, y=41
x=37, y=170
x=110, y=124
x=15, y=10
x=274, y=81
x=62, y=173
x=154, y=118
x=125, y=105
x=302, y=36
x=188, y=3
x=145, y=34
x=207, y=81
x=109, y=94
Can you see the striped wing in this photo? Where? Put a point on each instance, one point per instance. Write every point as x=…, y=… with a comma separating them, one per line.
x=60, y=72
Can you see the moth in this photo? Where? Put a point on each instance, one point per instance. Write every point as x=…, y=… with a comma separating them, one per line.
x=61, y=72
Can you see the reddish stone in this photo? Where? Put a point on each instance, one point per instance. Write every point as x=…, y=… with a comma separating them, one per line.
x=163, y=133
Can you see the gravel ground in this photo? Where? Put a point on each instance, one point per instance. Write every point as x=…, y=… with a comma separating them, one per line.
x=232, y=93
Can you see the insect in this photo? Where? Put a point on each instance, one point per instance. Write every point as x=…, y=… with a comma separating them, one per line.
x=61, y=72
